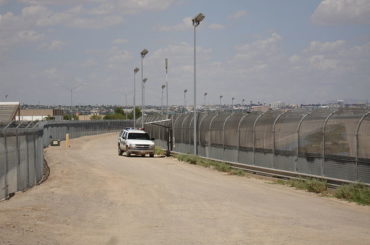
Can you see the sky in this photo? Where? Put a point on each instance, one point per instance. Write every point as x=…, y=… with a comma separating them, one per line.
x=292, y=51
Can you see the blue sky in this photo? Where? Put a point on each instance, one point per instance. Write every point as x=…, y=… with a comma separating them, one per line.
x=292, y=51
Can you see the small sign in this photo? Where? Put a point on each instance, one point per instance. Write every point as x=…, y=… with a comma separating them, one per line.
x=55, y=143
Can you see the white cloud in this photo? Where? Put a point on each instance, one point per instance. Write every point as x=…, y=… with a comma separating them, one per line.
x=55, y=45
x=94, y=23
x=116, y=58
x=216, y=26
x=186, y=24
x=335, y=12
x=238, y=14
x=119, y=41
x=89, y=63
x=131, y=6
x=29, y=36
x=316, y=46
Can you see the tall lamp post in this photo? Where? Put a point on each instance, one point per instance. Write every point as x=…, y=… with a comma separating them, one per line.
x=196, y=21
x=205, y=98
x=166, y=65
x=185, y=91
x=232, y=103
x=220, y=102
x=136, y=70
x=143, y=106
x=163, y=87
x=143, y=53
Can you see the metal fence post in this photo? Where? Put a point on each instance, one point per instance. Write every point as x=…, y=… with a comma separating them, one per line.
x=223, y=130
x=182, y=129
x=357, y=141
x=273, y=137
x=6, y=193
x=200, y=124
x=34, y=158
x=192, y=119
x=18, y=156
x=209, y=131
x=254, y=136
x=323, y=141
x=239, y=124
x=298, y=139
x=173, y=130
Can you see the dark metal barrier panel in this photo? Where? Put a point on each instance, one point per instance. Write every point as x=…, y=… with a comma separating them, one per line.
x=186, y=130
x=216, y=129
x=230, y=136
x=246, y=137
x=286, y=139
x=178, y=128
x=311, y=134
x=204, y=133
x=230, y=133
x=340, y=144
x=264, y=140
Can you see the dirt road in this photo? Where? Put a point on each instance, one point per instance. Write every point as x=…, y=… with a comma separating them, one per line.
x=94, y=196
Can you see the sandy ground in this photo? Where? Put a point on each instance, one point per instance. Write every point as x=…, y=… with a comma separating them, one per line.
x=94, y=196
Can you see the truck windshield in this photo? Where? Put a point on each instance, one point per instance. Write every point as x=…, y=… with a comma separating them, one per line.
x=138, y=136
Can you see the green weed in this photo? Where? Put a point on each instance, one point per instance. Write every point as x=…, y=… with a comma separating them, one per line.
x=358, y=193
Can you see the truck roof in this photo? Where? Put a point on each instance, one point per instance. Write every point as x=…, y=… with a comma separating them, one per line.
x=132, y=130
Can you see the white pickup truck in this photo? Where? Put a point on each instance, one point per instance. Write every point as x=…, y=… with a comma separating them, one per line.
x=134, y=141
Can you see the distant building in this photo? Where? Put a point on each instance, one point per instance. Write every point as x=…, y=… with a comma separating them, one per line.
x=262, y=108
x=278, y=105
x=9, y=111
x=40, y=114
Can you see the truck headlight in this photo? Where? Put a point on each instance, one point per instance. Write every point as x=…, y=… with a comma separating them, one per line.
x=151, y=146
x=132, y=145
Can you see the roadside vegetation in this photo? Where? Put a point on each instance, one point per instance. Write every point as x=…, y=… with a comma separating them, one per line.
x=358, y=193
x=159, y=151
x=220, y=166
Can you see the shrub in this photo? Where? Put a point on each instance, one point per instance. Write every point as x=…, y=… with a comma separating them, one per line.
x=358, y=193
x=311, y=185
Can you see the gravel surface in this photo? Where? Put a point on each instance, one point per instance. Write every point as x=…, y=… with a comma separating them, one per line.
x=94, y=196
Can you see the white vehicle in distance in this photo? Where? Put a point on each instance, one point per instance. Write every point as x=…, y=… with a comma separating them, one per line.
x=135, y=141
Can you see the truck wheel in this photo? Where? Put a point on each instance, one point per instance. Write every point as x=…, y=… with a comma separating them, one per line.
x=151, y=154
x=119, y=151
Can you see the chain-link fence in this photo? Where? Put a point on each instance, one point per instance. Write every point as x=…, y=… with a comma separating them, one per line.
x=22, y=143
x=333, y=143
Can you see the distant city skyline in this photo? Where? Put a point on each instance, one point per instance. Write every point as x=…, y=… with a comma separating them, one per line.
x=298, y=52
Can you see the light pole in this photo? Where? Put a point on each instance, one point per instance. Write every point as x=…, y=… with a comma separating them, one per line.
x=185, y=91
x=166, y=64
x=143, y=53
x=163, y=86
x=136, y=70
x=205, y=98
x=196, y=21
x=220, y=101
x=232, y=103
x=143, y=106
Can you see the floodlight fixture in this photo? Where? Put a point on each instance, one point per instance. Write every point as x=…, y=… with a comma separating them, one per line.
x=144, y=52
x=197, y=19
